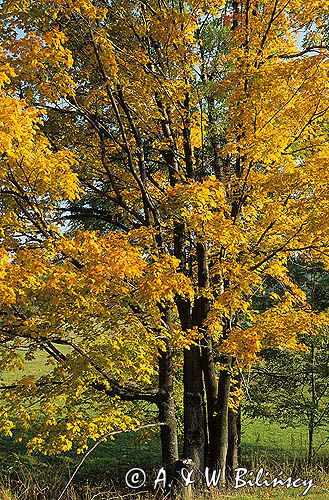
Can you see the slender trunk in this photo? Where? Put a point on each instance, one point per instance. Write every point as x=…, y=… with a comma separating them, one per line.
x=167, y=415
x=167, y=410
x=313, y=409
x=210, y=381
x=217, y=141
x=220, y=444
x=234, y=434
x=187, y=138
x=194, y=432
x=239, y=435
x=310, y=443
x=234, y=441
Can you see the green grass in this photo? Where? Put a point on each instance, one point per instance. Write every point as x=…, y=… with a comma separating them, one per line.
x=263, y=444
x=37, y=367
x=261, y=437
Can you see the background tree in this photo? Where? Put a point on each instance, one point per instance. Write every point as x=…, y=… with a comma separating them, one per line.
x=292, y=387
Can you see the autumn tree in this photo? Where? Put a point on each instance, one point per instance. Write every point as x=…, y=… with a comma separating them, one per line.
x=191, y=139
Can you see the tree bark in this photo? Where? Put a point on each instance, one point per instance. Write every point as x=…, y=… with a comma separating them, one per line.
x=167, y=409
x=194, y=418
x=234, y=433
x=210, y=381
x=234, y=441
x=194, y=406
x=167, y=412
x=310, y=444
x=313, y=409
x=220, y=443
x=219, y=163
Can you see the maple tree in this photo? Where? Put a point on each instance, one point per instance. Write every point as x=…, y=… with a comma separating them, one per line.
x=160, y=161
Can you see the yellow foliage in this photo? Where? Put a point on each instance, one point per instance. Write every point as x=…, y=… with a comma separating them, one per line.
x=175, y=167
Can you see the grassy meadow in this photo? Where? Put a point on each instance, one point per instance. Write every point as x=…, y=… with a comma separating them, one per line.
x=102, y=474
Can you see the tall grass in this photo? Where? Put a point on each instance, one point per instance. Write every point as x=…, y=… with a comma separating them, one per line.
x=102, y=475
x=26, y=483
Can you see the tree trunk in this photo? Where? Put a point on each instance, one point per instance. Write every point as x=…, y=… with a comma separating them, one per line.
x=313, y=409
x=220, y=444
x=167, y=414
x=217, y=141
x=195, y=420
x=194, y=412
x=234, y=434
x=167, y=410
x=210, y=381
x=234, y=441
x=194, y=431
x=310, y=444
